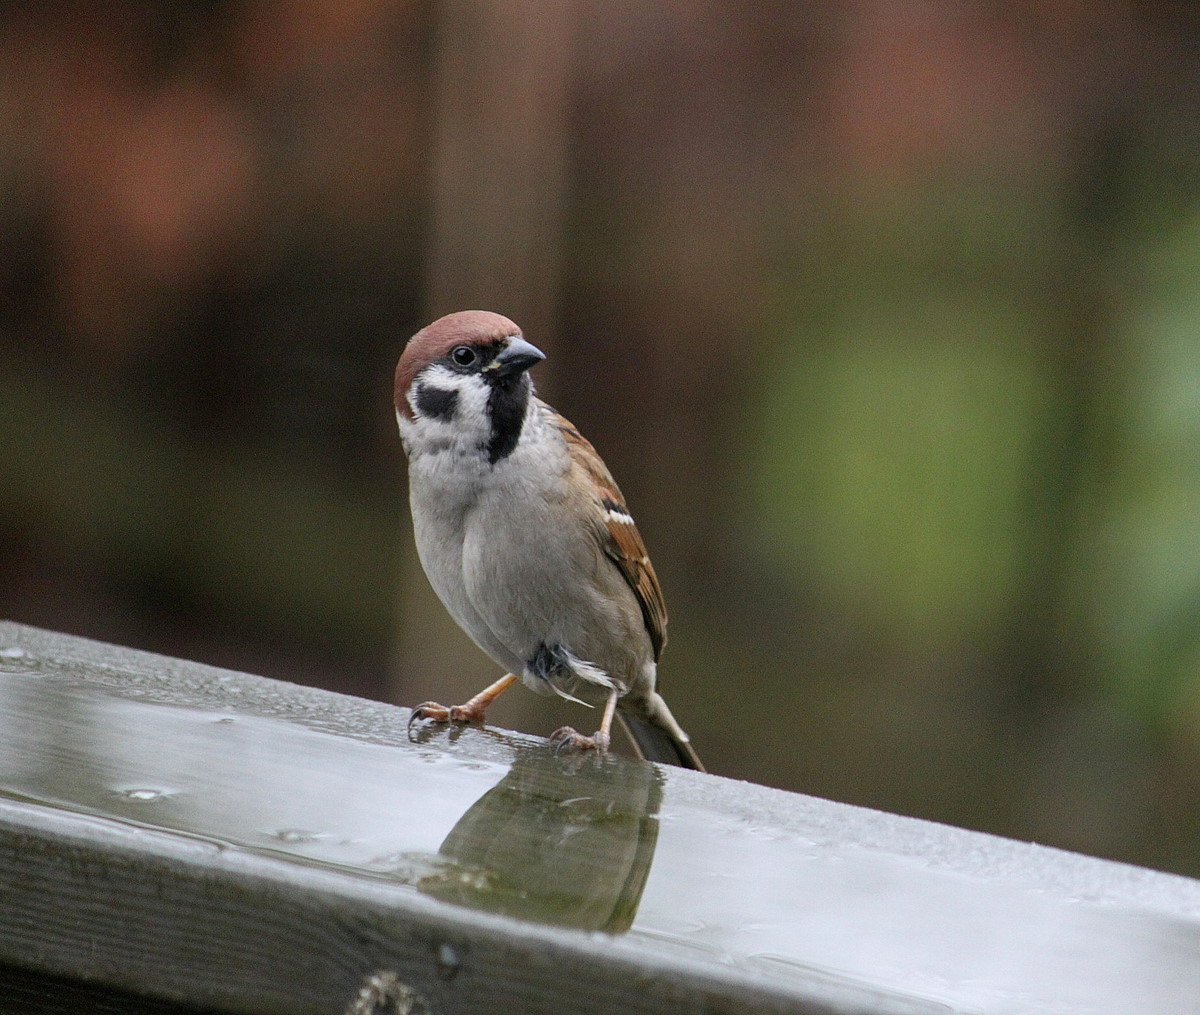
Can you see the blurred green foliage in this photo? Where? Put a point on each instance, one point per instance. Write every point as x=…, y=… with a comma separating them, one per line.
x=1147, y=541
x=892, y=457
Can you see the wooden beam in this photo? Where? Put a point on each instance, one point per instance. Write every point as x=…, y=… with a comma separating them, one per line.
x=176, y=838
x=498, y=183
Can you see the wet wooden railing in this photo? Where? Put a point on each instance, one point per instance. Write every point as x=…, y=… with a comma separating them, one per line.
x=176, y=838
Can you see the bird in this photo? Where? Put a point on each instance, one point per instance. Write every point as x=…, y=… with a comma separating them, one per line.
x=527, y=540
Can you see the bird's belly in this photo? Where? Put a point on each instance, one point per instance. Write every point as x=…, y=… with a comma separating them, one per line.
x=540, y=590
x=440, y=550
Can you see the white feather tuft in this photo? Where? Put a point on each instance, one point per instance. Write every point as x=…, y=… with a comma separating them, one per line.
x=579, y=670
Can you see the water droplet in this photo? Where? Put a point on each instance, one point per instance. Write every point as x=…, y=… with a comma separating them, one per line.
x=14, y=659
x=296, y=835
x=143, y=794
x=448, y=961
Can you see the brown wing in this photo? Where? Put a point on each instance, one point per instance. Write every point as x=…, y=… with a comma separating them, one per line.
x=622, y=541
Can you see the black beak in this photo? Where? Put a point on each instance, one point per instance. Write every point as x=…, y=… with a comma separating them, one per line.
x=517, y=357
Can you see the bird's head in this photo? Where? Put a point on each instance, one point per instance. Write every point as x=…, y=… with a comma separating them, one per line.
x=464, y=378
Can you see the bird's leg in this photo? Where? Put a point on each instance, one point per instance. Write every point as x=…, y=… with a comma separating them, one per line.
x=569, y=740
x=472, y=711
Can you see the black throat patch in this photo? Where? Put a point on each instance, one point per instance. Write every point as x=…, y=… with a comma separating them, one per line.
x=507, y=404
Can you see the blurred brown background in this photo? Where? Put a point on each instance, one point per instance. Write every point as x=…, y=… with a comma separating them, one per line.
x=886, y=316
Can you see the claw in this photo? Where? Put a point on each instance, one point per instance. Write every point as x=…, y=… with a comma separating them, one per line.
x=570, y=740
x=428, y=710
x=459, y=714
x=561, y=738
x=471, y=712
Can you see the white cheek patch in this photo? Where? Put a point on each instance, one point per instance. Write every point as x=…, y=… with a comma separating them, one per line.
x=448, y=413
x=440, y=376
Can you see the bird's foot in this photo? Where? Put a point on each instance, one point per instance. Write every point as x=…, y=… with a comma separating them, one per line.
x=569, y=740
x=471, y=712
x=434, y=712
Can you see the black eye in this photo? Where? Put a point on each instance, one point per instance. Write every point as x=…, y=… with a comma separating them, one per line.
x=463, y=355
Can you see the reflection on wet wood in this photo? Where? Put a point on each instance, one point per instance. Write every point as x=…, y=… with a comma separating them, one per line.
x=144, y=872
x=176, y=838
x=583, y=826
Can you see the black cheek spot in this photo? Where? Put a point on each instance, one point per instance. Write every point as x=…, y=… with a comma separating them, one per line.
x=436, y=403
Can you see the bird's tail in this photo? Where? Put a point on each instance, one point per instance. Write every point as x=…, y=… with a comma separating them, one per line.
x=658, y=737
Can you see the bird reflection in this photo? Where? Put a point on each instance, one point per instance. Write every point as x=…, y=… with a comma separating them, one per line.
x=567, y=841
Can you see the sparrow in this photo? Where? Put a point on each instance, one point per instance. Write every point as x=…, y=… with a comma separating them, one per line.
x=526, y=538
